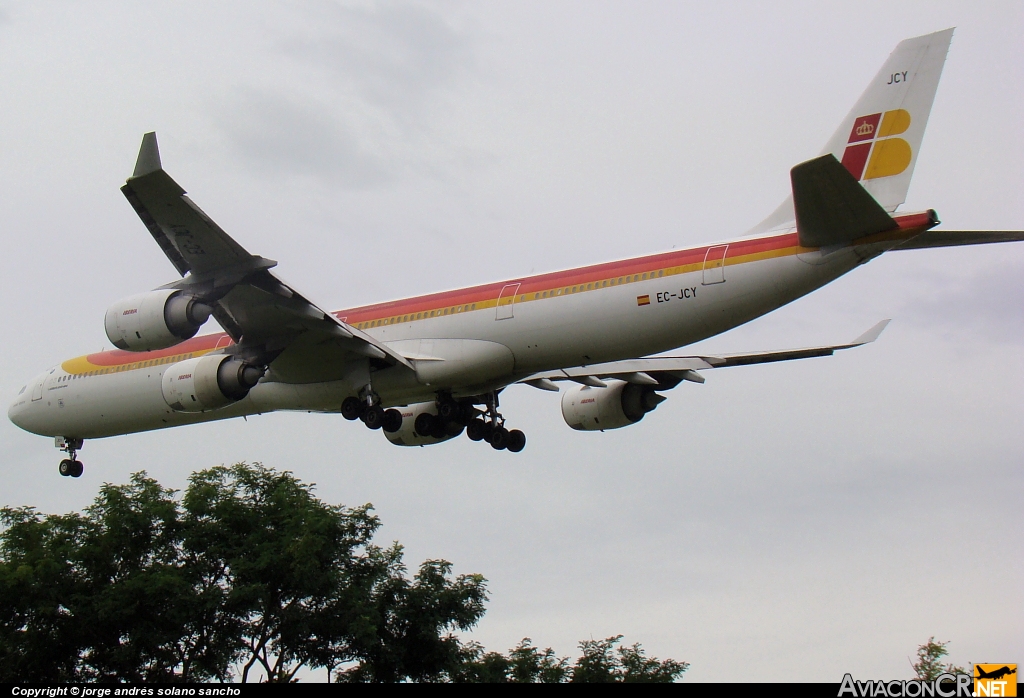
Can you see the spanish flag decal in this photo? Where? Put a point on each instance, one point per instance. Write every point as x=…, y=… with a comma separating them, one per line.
x=643, y=300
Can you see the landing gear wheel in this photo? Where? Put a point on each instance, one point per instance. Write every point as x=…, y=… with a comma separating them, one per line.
x=424, y=424
x=439, y=429
x=451, y=411
x=499, y=438
x=476, y=430
x=352, y=408
x=516, y=441
x=374, y=417
x=392, y=421
x=70, y=466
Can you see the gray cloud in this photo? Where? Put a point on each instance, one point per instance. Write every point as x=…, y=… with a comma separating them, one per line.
x=275, y=133
x=398, y=56
x=363, y=97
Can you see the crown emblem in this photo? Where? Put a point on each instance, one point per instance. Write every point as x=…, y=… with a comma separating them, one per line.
x=865, y=129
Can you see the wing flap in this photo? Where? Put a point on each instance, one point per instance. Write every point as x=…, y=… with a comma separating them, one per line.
x=670, y=370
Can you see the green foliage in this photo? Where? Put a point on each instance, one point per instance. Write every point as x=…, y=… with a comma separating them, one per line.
x=249, y=568
x=929, y=664
x=600, y=662
x=248, y=575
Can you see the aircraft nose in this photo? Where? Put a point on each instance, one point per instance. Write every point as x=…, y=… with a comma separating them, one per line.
x=15, y=411
x=20, y=411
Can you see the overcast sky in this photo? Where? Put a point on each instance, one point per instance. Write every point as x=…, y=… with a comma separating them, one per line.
x=799, y=521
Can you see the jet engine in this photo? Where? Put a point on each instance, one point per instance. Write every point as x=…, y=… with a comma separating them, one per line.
x=208, y=382
x=407, y=435
x=154, y=320
x=619, y=405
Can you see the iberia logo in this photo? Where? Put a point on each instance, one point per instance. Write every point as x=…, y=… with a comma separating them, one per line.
x=871, y=152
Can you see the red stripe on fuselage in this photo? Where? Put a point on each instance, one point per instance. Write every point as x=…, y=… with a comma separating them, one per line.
x=527, y=285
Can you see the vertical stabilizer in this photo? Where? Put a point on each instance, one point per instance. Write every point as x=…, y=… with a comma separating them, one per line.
x=879, y=140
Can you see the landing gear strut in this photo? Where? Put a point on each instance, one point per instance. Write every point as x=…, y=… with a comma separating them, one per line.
x=70, y=466
x=370, y=411
x=491, y=428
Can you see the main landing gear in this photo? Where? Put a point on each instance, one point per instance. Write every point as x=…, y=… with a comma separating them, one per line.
x=371, y=413
x=70, y=466
x=453, y=416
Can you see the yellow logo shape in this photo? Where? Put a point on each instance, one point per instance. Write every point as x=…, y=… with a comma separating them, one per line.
x=995, y=680
x=890, y=156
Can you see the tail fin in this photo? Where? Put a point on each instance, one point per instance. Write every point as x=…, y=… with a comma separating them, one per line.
x=880, y=138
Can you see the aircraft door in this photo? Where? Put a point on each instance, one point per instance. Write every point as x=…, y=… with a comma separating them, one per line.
x=506, y=301
x=37, y=390
x=714, y=265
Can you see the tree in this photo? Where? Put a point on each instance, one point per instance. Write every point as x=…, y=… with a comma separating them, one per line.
x=929, y=664
x=248, y=575
x=100, y=595
x=248, y=568
x=600, y=662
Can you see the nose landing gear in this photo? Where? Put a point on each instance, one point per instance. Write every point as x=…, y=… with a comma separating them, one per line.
x=70, y=466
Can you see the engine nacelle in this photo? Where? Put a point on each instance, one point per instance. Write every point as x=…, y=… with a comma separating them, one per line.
x=208, y=382
x=154, y=320
x=407, y=435
x=619, y=405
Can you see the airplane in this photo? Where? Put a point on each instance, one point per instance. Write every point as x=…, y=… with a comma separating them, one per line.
x=995, y=674
x=426, y=369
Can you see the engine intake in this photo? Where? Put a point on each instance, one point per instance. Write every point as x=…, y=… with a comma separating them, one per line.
x=154, y=320
x=619, y=405
x=208, y=382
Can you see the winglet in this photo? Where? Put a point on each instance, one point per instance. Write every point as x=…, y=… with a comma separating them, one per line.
x=871, y=335
x=149, y=156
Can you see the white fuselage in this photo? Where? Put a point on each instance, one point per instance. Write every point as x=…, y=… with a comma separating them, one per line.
x=517, y=328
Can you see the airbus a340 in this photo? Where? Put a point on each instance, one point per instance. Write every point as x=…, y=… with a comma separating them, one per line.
x=425, y=369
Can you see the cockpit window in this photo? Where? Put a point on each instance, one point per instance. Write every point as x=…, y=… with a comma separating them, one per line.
x=22, y=389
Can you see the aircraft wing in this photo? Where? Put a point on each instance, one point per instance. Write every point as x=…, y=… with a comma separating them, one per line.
x=257, y=309
x=666, y=372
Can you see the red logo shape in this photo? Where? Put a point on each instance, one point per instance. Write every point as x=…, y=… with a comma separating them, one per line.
x=864, y=128
x=855, y=157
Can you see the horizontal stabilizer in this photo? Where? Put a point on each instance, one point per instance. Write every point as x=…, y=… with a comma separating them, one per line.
x=832, y=208
x=955, y=238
